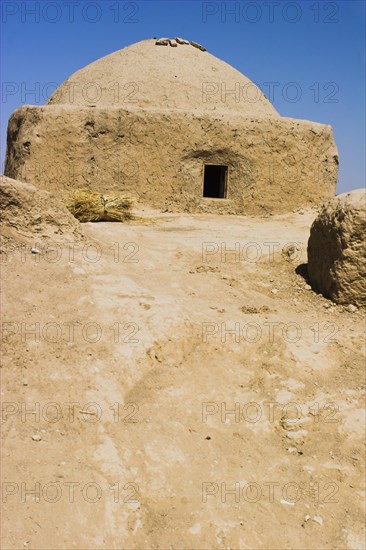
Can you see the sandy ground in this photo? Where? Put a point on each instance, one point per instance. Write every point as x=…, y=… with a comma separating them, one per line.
x=159, y=393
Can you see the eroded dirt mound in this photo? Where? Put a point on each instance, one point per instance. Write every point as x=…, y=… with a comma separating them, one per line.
x=28, y=212
x=336, y=250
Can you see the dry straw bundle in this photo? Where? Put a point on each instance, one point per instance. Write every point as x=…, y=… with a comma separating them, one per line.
x=89, y=206
x=85, y=205
x=117, y=207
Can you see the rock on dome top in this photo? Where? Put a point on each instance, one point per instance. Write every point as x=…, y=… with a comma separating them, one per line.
x=152, y=76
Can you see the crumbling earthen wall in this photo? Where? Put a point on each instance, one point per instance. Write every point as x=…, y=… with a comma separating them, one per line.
x=336, y=249
x=275, y=164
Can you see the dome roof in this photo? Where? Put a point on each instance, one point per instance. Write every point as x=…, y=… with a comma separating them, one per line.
x=150, y=76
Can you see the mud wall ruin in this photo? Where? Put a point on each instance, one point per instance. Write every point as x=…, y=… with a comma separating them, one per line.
x=275, y=165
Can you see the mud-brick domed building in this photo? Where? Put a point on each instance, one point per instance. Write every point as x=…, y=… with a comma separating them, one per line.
x=177, y=128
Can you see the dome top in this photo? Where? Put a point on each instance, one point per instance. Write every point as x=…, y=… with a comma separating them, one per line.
x=164, y=74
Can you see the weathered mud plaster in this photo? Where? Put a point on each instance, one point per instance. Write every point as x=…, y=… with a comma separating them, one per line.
x=156, y=147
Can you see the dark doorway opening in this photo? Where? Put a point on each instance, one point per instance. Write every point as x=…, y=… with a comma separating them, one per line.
x=215, y=181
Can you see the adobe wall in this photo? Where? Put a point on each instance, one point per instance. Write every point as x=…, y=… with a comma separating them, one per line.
x=275, y=165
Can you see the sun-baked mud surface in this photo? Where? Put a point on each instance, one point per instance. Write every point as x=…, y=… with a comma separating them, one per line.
x=139, y=342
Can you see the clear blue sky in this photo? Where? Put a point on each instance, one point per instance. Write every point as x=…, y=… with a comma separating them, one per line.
x=319, y=46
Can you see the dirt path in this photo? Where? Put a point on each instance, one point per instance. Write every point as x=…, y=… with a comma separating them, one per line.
x=182, y=397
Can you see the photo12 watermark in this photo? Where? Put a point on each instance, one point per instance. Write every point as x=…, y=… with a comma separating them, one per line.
x=288, y=414
x=250, y=12
x=53, y=412
x=70, y=92
x=290, y=92
x=70, y=12
x=70, y=332
x=250, y=252
x=268, y=332
x=72, y=252
x=251, y=492
x=72, y=492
